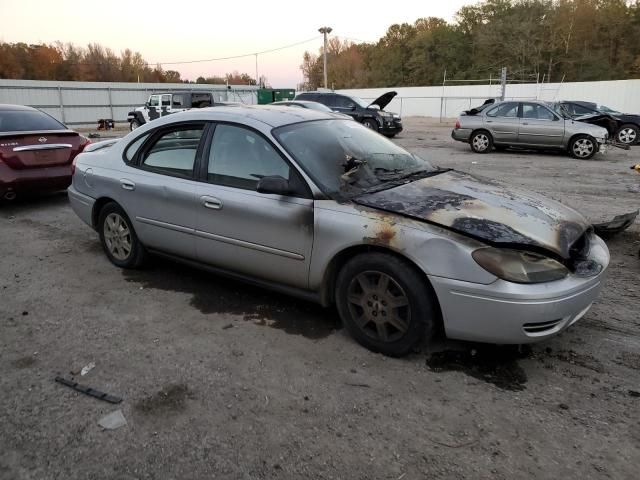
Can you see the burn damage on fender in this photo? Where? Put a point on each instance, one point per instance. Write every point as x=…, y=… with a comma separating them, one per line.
x=486, y=210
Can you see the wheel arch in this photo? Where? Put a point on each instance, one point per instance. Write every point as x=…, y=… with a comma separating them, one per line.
x=97, y=207
x=481, y=129
x=327, y=294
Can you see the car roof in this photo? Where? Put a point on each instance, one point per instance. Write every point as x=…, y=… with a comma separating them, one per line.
x=272, y=115
x=8, y=107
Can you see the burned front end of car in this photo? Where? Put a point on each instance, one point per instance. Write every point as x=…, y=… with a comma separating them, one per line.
x=543, y=264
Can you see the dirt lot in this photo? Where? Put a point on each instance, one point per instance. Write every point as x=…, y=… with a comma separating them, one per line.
x=222, y=380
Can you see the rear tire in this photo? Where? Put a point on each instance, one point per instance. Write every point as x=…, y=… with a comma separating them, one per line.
x=583, y=147
x=385, y=303
x=119, y=239
x=628, y=134
x=481, y=141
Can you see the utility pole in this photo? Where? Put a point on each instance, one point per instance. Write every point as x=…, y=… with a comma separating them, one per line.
x=325, y=31
x=503, y=83
x=257, y=79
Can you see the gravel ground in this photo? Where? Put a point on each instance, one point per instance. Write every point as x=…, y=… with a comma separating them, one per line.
x=222, y=380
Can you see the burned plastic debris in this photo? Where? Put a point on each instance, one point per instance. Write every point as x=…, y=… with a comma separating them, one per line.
x=619, y=224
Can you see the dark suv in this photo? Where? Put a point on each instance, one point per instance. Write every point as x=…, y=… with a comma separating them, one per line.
x=371, y=115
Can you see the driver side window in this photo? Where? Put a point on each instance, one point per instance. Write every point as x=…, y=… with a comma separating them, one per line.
x=239, y=157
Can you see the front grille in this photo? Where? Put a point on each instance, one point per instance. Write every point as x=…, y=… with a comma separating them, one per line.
x=540, y=327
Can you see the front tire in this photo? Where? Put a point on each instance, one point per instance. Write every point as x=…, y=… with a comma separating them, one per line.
x=119, y=239
x=385, y=304
x=481, y=141
x=583, y=147
x=133, y=125
x=628, y=134
x=371, y=124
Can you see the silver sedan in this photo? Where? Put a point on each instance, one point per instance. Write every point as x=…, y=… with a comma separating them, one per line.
x=323, y=208
x=530, y=124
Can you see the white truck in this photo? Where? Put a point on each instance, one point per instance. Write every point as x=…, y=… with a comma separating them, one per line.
x=161, y=104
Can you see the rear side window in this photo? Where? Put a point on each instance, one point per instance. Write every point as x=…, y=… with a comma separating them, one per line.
x=309, y=96
x=178, y=101
x=27, y=121
x=504, y=110
x=174, y=152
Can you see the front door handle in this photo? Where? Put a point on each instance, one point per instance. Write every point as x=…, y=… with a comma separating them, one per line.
x=525, y=123
x=489, y=121
x=211, y=202
x=128, y=184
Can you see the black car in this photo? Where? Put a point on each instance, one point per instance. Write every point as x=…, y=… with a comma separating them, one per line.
x=623, y=127
x=371, y=115
x=310, y=105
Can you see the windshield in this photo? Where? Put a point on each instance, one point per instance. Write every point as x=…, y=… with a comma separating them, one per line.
x=346, y=158
x=360, y=101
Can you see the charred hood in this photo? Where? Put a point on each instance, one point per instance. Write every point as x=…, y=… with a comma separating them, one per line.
x=384, y=100
x=486, y=210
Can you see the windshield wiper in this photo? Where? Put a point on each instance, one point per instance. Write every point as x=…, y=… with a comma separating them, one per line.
x=407, y=178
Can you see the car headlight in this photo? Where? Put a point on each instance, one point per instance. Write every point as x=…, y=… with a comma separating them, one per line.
x=519, y=266
x=396, y=116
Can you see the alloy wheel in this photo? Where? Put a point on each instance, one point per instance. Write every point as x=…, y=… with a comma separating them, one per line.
x=583, y=147
x=117, y=236
x=480, y=142
x=379, y=306
x=627, y=135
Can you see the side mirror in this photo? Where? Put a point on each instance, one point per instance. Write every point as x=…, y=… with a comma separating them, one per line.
x=274, y=184
x=146, y=104
x=351, y=106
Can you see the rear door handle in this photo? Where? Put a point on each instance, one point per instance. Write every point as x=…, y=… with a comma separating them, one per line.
x=525, y=123
x=128, y=184
x=489, y=121
x=211, y=202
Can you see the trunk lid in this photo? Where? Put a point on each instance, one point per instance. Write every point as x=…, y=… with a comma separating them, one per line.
x=22, y=150
x=485, y=209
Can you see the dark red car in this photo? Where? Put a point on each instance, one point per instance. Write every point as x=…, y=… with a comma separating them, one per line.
x=36, y=151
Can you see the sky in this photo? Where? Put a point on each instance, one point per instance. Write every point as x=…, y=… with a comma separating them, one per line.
x=169, y=31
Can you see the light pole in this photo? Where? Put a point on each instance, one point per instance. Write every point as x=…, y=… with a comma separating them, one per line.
x=325, y=31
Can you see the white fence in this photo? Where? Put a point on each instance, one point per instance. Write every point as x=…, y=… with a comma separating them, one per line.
x=450, y=100
x=83, y=103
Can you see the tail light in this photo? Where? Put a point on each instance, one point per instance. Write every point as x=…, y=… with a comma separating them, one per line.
x=83, y=145
x=457, y=124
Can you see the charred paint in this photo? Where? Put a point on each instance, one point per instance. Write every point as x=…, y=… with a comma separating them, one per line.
x=492, y=231
x=484, y=209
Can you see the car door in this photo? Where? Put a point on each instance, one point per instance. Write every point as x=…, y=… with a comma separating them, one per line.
x=153, y=107
x=159, y=190
x=539, y=126
x=260, y=235
x=503, y=123
x=343, y=104
x=165, y=104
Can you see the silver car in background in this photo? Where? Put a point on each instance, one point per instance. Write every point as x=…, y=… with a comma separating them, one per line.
x=530, y=124
x=320, y=207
